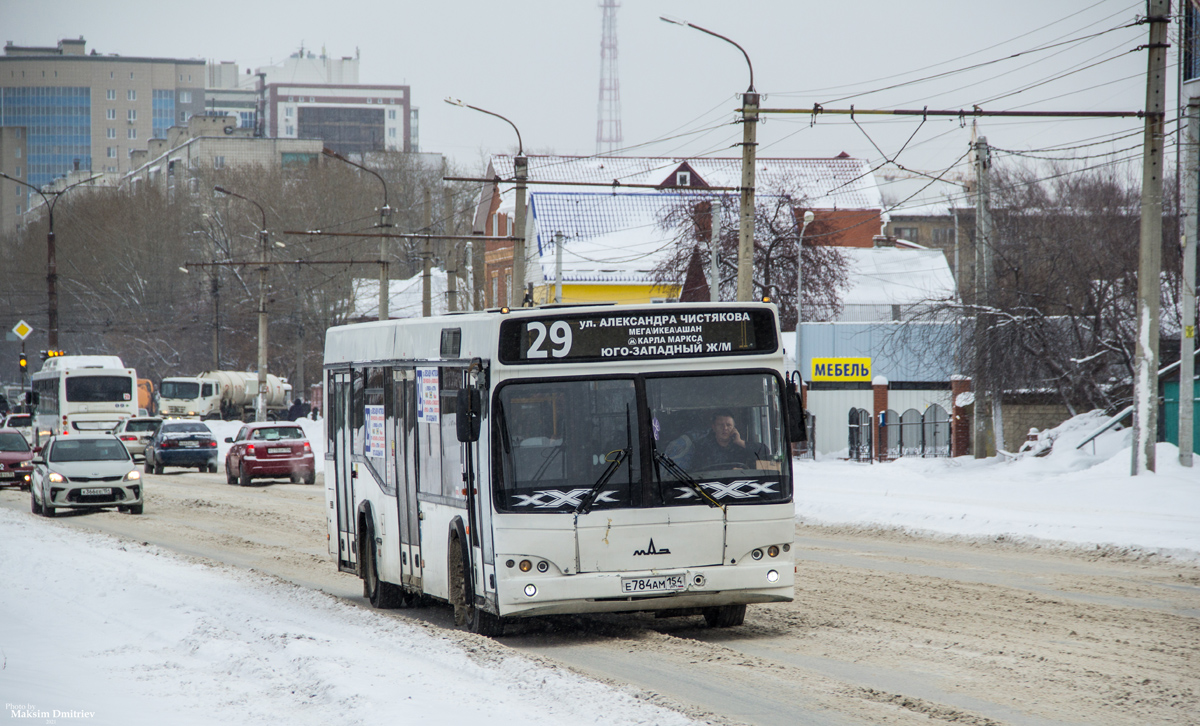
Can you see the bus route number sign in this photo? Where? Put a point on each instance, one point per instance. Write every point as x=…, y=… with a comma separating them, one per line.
x=593, y=337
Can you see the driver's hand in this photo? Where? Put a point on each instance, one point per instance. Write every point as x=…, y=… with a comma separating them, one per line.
x=737, y=438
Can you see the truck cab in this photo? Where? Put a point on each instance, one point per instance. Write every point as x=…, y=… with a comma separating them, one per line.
x=197, y=398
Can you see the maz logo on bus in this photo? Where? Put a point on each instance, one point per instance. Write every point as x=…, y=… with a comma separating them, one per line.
x=559, y=334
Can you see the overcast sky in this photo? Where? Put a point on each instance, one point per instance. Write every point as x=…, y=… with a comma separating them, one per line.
x=538, y=63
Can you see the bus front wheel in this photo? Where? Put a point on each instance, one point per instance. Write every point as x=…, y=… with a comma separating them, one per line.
x=466, y=611
x=725, y=616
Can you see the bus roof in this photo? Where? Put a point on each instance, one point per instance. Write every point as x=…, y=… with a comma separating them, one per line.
x=63, y=362
x=478, y=334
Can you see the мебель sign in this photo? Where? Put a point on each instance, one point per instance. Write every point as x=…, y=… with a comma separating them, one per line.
x=841, y=369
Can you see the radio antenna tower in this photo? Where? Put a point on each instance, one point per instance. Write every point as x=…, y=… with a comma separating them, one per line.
x=608, y=112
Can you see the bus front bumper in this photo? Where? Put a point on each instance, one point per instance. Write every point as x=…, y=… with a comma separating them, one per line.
x=558, y=594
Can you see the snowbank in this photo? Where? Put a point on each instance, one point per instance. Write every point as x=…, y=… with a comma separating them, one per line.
x=1082, y=497
x=133, y=635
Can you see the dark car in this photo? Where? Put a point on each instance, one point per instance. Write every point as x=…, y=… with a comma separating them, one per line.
x=181, y=443
x=15, y=456
x=270, y=449
x=85, y=471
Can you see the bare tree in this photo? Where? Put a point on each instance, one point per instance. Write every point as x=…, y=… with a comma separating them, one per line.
x=777, y=238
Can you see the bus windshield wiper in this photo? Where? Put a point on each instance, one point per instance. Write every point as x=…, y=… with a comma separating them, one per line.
x=585, y=505
x=681, y=474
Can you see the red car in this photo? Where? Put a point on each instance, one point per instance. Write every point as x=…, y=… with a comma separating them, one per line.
x=269, y=449
x=15, y=457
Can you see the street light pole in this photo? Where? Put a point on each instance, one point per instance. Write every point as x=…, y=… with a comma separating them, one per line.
x=745, y=270
x=260, y=407
x=51, y=254
x=516, y=294
x=808, y=218
x=385, y=221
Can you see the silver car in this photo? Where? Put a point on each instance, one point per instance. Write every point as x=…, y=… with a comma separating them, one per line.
x=136, y=432
x=84, y=471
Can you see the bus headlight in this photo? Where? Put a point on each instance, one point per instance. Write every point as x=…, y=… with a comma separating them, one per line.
x=530, y=590
x=773, y=576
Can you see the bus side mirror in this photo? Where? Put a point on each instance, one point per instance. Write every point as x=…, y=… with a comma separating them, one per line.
x=469, y=408
x=797, y=430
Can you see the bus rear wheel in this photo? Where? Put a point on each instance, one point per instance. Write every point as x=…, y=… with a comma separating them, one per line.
x=725, y=616
x=382, y=595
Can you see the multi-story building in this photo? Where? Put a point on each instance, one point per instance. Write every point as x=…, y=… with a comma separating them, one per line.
x=310, y=96
x=63, y=109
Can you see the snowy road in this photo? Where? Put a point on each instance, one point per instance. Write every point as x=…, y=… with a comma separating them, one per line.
x=886, y=627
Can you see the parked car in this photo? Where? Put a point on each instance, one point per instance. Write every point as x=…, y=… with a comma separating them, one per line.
x=15, y=456
x=269, y=449
x=84, y=471
x=22, y=422
x=181, y=443
x=136, y=432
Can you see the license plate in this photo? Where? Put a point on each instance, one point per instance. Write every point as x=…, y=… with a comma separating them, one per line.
x=95, y=492
x=665, y=583
x=189, y=444
x=279, y=451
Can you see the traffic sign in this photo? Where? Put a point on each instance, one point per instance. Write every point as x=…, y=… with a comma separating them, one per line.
x=22, y=329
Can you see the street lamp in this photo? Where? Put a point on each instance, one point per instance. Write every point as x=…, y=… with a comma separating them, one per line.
x=521, y=172
x=808, y=218
x=745, y=274
x=385, y=220
x=51, y=256
x=260, y=408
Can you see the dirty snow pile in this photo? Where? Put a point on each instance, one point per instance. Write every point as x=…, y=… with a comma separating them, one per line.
x=93, y=630
x=1082, y=497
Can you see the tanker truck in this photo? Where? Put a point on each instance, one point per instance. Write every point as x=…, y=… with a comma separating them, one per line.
x=225, y=395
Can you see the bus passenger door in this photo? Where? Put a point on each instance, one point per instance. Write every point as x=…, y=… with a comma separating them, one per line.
x=344, y=486
x=408, y=515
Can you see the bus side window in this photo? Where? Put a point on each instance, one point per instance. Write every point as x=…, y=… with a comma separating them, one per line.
x=452, y=478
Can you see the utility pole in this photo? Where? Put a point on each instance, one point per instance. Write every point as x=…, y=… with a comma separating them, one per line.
x=452, y=255
x=260, y=406
x=427, y=259
x=983, y=298
x=745, y=269
x=516, y=295
x=745, y=273
x=558, y=245
x=479, y=272
x=216, y=324
x=1145, y=379
x=1187, y=297
x=714, y=275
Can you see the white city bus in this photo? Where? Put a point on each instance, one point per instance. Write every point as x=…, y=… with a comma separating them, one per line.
x=78, y=393
x=563, y=460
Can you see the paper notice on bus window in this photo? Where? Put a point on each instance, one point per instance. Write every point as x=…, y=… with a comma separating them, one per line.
x=429, y=395
x=374, y=445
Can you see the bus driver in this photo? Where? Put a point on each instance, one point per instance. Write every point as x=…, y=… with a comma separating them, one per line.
x=722, y=447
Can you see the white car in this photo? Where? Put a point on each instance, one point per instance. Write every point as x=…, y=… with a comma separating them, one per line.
x=84, y=471
x=22, y=422
x=136, y=432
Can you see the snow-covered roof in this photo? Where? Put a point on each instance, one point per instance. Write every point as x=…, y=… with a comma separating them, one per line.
x=608, y=238
x=839, y=183
x=404, y=296
x=896, y=276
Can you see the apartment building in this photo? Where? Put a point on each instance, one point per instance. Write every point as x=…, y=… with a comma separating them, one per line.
x=63, y=109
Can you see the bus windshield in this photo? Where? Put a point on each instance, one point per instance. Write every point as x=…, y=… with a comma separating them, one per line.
x=179, y=390
x=99, y=389
x=557, y=440
x=724, y=432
